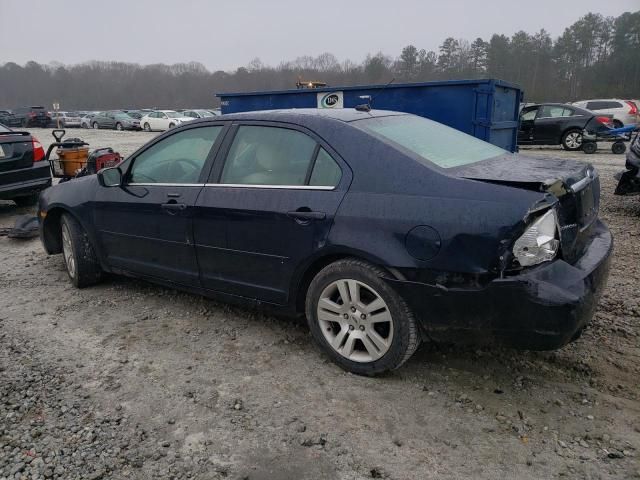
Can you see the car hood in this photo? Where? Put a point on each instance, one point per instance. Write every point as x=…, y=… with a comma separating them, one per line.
x=545, y=174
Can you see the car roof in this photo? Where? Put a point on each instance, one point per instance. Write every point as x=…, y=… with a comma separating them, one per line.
x=295, y=114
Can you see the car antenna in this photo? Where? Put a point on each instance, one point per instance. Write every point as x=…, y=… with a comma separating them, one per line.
x=366, y=107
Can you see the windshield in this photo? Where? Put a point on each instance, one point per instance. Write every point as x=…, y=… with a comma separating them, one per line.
x=433, y=142
x=204, y=113
x=173, y=114
x=126, y=116
x=4, y=129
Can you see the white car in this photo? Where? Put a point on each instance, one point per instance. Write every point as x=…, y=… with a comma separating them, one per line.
x=162, y=120
x=198, y=113
x=625, y=112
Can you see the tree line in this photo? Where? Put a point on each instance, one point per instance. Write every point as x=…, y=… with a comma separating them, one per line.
x=595, y=57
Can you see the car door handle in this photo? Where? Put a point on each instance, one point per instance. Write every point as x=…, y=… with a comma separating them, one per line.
x=174, y=206
x=304, y=215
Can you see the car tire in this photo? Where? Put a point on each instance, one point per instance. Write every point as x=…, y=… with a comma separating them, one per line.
x=95, y=125
x=617, y=123
x=572, y=140
x=618, y=148
x=171, y=125
x=24, y=123
x=589, y=147
x=147, y=127
x=119, y=126
x=79, y=256
x=27, y=201
x=342, y=328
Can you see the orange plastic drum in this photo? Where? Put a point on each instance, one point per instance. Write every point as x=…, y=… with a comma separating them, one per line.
x=72, y=159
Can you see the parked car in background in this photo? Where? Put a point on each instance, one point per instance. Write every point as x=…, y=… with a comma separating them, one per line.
x=137, y=114
x=623, y=112
x=86, y=120
x=8, y=119
x=384, y=228
x=23, y=170
x=65, y=119
x=32, y=116
x=557, y=124
x=161, y=120
x=197, y=113
x=116, y=119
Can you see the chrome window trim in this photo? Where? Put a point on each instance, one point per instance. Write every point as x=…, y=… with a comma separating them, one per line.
x=165, y=184
x=287, y=187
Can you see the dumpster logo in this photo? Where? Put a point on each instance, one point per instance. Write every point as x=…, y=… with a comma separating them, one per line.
x=330, y=100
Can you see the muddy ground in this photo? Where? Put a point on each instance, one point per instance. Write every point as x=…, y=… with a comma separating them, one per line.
x=130, y=380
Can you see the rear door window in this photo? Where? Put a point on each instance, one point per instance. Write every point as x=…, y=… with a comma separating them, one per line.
x=264, y=155
x=551, y=111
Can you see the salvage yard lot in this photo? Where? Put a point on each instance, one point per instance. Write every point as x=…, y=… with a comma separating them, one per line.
x=130, y=380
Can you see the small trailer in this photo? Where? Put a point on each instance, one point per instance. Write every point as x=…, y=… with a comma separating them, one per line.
x=487, y=109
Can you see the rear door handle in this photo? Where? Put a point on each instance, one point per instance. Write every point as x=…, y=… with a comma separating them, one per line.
x=302, y=215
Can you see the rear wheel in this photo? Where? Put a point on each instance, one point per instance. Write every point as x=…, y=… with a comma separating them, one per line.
x=618, y=148
x=95, y=125
x=119, y=126
x=359, y=320
x=79, y=256
x=572, y=140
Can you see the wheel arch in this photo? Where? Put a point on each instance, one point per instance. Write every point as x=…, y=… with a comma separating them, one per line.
x=52, y=230
x=301, y=281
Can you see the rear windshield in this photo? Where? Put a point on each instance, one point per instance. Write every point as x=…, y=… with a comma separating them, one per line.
x=431, y=141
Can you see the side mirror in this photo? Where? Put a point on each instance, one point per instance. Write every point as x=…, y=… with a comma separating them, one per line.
x=110, y=177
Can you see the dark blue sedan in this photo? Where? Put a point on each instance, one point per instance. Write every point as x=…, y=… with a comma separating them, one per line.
x=383, y=228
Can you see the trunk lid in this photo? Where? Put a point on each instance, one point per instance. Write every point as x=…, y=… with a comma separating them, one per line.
x=16, y=151
x=575, y=184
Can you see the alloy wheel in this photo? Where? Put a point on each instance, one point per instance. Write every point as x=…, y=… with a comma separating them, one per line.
x=355, y=320
x=573, y=140
x=67, y=250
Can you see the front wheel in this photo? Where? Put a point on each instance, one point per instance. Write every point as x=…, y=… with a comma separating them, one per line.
x=80, y=258
x=96, y=126
x=119, y=126
x=147, y=127
x=171, y=125
x=359, y=320
x=572, y=140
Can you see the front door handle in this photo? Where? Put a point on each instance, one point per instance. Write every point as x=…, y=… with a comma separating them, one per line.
x=173, y=207
x=306, y=216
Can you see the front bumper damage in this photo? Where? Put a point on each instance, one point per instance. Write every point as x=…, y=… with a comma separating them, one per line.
x=541, y=308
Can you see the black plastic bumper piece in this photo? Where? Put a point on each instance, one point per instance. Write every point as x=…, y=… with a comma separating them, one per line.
x=25, y=181
x=542, y=308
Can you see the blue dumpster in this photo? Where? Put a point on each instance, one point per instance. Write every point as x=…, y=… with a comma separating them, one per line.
x=486, y=109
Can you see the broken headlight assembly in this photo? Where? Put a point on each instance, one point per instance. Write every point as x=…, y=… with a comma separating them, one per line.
x=539, y=242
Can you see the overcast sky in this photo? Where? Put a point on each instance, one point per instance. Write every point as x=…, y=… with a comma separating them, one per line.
x=230, y=33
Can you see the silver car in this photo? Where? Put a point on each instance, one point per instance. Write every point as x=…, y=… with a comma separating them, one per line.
x=624, y=112
x=65, y=119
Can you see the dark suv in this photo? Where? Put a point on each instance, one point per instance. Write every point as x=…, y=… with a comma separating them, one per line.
x=32, y=117
x=23, y=170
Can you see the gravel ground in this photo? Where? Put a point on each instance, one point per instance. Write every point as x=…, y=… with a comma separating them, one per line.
x=130, y=380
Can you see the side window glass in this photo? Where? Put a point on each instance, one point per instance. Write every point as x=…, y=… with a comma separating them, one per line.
x=529, y=115
x=268, y=156
x=176, y=159
x=326, y=172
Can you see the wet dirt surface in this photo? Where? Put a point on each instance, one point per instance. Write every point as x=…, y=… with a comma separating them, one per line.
x=131, y=380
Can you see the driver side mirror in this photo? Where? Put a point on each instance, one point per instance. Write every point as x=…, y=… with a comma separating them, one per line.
x=110, y=177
